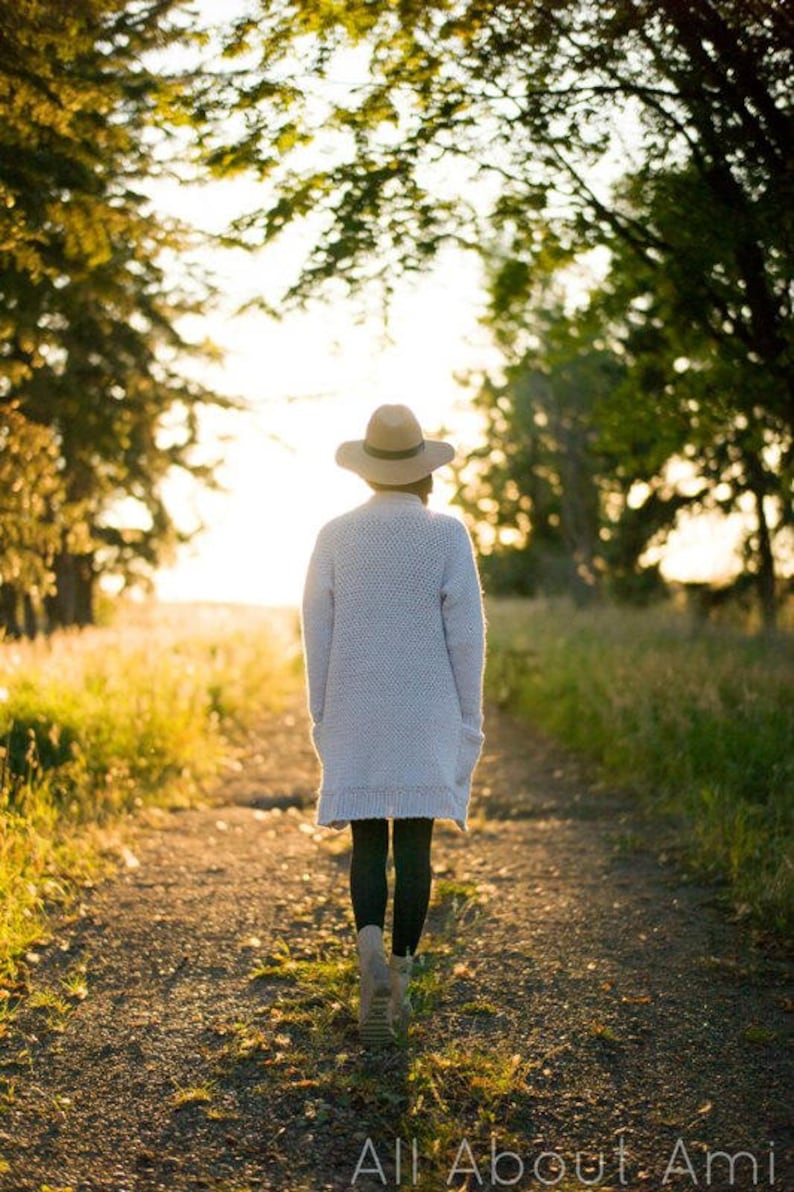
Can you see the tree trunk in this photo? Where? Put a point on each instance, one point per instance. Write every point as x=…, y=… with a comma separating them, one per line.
x=579, y=513
x=765, y=578
x=29, y=616
x=84, y=589
x=73, y=603
x=63, y=603
x=9, y=610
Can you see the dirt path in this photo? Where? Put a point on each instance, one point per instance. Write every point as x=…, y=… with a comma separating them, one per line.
x=576, y=996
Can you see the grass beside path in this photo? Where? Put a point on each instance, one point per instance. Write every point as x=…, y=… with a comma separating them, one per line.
x=700, y=724
x=95, y=724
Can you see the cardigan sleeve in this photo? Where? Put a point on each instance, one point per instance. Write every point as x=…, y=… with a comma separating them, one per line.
x=464, y=626
x=317, y=621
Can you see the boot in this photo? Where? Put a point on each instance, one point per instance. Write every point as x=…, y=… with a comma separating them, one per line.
x=373, y=1019
x=400, y=1004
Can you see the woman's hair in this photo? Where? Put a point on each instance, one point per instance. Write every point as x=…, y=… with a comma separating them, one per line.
x=420, y=488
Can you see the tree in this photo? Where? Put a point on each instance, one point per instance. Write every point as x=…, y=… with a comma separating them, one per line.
x=550, y=128
x=548, y=495
x=533, y=96
x=696, y=376
x=31, y=499
x=89, y=346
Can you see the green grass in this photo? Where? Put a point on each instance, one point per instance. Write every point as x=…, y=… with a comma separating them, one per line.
x=95, y=724
x=199, y=1094
x=699, y=724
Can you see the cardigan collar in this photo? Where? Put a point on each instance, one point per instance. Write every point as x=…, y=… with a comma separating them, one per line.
x=396, y=498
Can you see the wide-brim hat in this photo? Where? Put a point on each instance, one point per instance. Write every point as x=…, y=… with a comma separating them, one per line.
x=394, y=450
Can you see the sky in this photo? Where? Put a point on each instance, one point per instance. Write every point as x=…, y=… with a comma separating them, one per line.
x=309, y=381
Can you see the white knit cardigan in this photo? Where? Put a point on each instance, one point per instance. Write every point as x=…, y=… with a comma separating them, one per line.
x=394, y=643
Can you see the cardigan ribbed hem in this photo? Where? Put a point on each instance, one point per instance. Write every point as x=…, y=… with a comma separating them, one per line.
x=337, y=810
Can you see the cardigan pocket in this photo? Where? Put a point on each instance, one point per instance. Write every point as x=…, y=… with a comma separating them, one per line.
x=469, y=750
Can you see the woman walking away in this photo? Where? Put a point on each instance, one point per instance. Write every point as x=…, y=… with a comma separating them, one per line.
x=394, y=644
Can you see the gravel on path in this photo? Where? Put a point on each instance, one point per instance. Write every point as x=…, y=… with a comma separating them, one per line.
x=654, y=1037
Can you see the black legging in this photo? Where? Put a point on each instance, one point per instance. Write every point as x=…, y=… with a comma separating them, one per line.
x=412, y=876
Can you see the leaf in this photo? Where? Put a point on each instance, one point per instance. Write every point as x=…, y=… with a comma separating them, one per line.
x=755, y=1033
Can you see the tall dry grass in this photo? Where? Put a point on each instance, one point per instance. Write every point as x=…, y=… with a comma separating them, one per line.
x=94, y=724
x=699, y=721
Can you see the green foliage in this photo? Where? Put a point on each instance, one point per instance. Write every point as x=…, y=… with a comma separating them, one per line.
x=691, y=389
x=701, y=726
x=547, y=498
x=532, y=134
x=533, y=97
x=92, y=404
x=584, y=432
x=32, y=491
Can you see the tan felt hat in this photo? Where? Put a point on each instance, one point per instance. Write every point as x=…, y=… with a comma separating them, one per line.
x=394, y=450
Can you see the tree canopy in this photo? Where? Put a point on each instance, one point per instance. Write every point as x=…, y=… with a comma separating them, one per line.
x=90, y=347
x=533, y=134
x=548, y=104
x=647, y=142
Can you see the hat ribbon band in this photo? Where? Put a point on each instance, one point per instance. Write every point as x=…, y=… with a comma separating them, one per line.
x=378, y=453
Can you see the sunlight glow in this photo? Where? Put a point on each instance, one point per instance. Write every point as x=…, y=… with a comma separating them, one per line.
x=312, y=381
